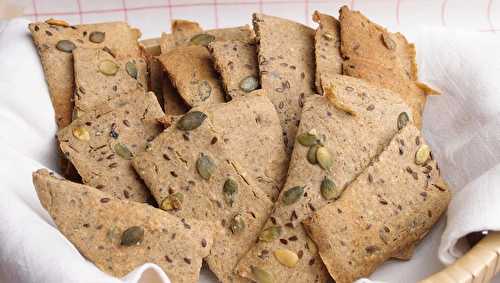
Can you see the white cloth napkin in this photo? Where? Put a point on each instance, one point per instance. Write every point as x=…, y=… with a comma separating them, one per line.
x=462, y=126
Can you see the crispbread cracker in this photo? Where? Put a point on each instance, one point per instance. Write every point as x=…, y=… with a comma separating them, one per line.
x=101, y=143
x=96, y=223
x=99, y=77
x=252, y=133
x=172, y=102
x=352, y=139
x=58, y=65
x=385, y=59
x=326, y=47
x=237, y=64
x=286, y=65
x=172, y=172
x=390, y=206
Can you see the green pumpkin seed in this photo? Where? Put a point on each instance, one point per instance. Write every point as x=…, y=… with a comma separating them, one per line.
x=261, y=276
x=123, y=151
x=205, y=166
x=81, y=133
x=249, y=83
x=324, y=158
x=388, y=41
x=293, y=195
x=132, y=236
x=307, y=139
x=108, y=67
x=329, y=190
x=65, y=46
x=422, y=155
x=173, y=201
x=237, y=224
x=204, y=90
x=202, y=39
x=403, y=119
x=270, y=234
x=311, y=154
x=97, y=36
x=230, y=190
x=191, y=120
x=131, y=69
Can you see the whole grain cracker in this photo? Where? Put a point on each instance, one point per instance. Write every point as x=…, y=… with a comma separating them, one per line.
x=349, y=143
x=102, y=142
x=192, y=175
x=286, y=65
x=119, y=236
x=390, y=206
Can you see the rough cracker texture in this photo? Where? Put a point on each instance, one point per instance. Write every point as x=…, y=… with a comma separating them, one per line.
x=155, y=72
x=170, y=167
x=58, y=65
x=391, y=205
x=368, y=57
x=327, y=47
x=353, y=141
x=251, y=131
x=191, y=72
x=129, y=120
x=94, y=88
x=286, y=65
x=235, y=61
x=94, y=222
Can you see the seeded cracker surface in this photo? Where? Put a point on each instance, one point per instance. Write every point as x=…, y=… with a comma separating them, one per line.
x=343, y=146
x=119, y=236
x=102, y=142
x=392, y=204
x=236, y=61
x=192, y=175
x=100, y=77
x=286, y=65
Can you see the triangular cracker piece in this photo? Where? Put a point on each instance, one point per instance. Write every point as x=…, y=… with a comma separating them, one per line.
x=99, y=77
x=338, y=136
x=327, y=47
x=390, y=206
x=385, y=59
x=237, y=64
x=192, y=175
x=102, y=142
x=286, y=66
x=56, y=39
x=119, y=236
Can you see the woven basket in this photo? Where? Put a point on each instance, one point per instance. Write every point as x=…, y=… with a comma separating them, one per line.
x=479, y=265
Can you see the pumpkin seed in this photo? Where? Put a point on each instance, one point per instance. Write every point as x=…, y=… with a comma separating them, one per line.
x=237, y=224
x=131, y=69
x=249, y=83
x=261, y=275
x=388, y=41
x=202, y=39
x=81, y=133
x=97, y=36
x=132, y=236
x=230, y=190
x=55, y=22
x=205, y=166
x=307, y=139
x=270, y=234
x=286, y=257
x=173, y=201
x=191, y=120
x=329, y=190
x=108, y=67
x=204, y=90
x=292, y=195
x=403, y=119
x=324, y=158
x=422, y=155
x=65, y=46
x=328, y=36
x=123, y=151
x=311, y=154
